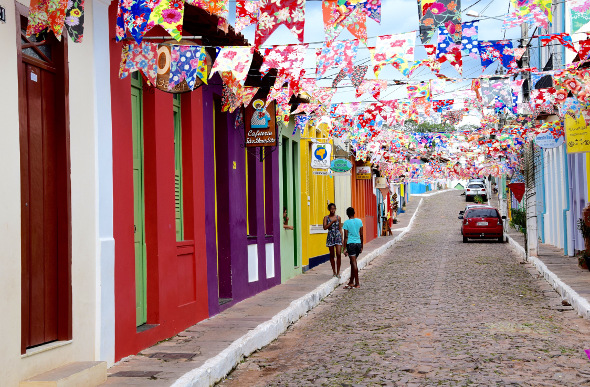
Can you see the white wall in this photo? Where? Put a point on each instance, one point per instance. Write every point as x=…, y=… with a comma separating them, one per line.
x=83, y=154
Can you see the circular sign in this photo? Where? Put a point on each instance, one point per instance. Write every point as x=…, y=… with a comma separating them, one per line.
x=547, y=141
x=164, y=61
x=320, y=153
x=341, y=165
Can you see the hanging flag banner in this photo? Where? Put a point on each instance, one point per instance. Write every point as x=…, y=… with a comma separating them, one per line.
x=577, y=134
x=469, y=42
x=246, y=13
x=337, y=18
x=434, y=13
x=320, y=156
x=273, y=13
x=339, y=54
x=260, y=125
x=396, y=50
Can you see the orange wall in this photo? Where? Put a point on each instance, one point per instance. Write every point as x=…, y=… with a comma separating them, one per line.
x=364, y=203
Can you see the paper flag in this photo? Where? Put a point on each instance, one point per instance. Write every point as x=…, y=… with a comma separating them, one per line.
x=339, y=54
x=273, y=13
x=434, y=13
x=396, y=50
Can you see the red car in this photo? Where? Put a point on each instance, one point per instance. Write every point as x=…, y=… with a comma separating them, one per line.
x=483, y=223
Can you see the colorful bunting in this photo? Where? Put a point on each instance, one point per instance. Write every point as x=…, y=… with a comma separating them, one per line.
x=419, y=90
x=140, y=57
x=286, y=59
x=340, y=54
x=430, y=61
x=493, y=50
x=273, y=13
x=434, y=13
x=300, y=124
x=396, y=50
x=563, y=38
x=373, y=86
x=234, y=59
x=469, y=41
x=219, y=8
x=246, y=13
x=169, y=14
x=187, y=63
x=337, y=18
x=441, y=105
x=357, y=75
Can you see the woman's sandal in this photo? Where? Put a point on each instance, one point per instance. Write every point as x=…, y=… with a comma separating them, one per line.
x=348, y=286
x=356, y=287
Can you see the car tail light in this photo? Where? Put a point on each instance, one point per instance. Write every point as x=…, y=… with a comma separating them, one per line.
x=483, y=189
x=468, y=189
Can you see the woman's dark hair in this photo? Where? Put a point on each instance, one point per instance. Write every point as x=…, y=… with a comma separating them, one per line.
x=350, y=211
x=284, y=209
x=330, y=206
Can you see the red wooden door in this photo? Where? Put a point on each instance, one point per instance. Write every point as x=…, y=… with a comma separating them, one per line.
x=45, y=208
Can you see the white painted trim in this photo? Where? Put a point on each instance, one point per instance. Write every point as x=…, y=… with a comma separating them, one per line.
x=270, y=259
x=317, y=229
x=219, y=366
x=105, y=262
x=252, y=263
x=45, y=347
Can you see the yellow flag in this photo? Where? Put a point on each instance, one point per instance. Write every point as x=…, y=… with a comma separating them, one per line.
x=577, y=135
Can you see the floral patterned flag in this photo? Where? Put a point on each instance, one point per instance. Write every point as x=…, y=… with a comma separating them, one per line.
x=419, y=90
x=396, y=50
x=133, y=17
x=469, y=42
x=563, y=38
x=187, y=62
x=441, y=105
x=54, y=15
x=246, y=13
x=170, y=15
x=580, y=14
x=140, y=57
x=534, y=17
x=286, y=59
x=234, y=98
x=437, y=86
x=273, y=13
x=306, y=108
x=235, y=59
x=447, y=49
x=373, y=86
x=434, y=13
x=430, y=61
x=493, y=50
x=300, y=123
x=357, y=75
x=337, y=18
x=519, y=52
x=339, y=54
x=323, y=95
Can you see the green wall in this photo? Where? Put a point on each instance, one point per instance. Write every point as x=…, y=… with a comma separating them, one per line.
x=289, y=193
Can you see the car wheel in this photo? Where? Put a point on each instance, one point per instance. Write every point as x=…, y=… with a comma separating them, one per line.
x=464, y=239
x=501, y=239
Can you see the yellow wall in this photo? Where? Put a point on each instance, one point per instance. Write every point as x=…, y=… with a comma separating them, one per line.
x=320, y=190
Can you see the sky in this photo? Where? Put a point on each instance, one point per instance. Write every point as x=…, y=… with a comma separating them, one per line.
x=397, y=16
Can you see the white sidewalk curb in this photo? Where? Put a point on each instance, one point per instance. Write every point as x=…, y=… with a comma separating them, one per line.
x=579, y=303
x=219, y=366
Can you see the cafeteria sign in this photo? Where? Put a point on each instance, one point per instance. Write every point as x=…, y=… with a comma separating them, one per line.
x=363, y=172
x=259, y=124
x=577, y=135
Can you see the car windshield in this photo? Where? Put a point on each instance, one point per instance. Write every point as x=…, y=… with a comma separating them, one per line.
x=472, y=186
x=482, y=213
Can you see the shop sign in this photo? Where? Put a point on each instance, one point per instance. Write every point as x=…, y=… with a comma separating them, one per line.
x=577, y=135
x=260, y=124
x=547, y=141
x=341, y=165
x=381, y=182
x=320, y=156
x=165, y=60
x=323, y=173
x=363, y=172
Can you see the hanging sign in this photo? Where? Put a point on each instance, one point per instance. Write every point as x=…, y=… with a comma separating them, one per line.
x=164, y=61
x=381, y=182
x=260, y=124
x=320, y=156
x=341, y=165
x=547, y=141
x=363, y=172
x=577, y=135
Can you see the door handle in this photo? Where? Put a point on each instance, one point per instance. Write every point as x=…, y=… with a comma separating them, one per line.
x=134, y=228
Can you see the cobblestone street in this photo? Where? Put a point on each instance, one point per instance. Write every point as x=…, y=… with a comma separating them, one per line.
x=432, y=311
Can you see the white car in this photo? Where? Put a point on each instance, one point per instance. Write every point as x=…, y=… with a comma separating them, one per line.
x=474, y=189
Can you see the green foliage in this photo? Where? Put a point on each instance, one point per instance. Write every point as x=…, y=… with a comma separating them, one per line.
x=427, y=127
x=478, y=199
x=585, y=230
x=518, y=219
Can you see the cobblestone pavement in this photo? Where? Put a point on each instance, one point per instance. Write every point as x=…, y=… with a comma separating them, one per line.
x=432, y=311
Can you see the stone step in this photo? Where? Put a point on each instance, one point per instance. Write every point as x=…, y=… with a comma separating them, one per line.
x=83, y=373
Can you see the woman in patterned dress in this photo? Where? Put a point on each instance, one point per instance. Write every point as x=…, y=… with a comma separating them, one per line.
x=333, y=224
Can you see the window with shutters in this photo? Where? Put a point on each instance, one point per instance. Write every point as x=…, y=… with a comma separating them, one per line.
x=178, y=169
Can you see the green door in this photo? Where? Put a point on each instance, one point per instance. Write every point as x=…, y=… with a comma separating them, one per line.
x=138, y=202
x=178, y=169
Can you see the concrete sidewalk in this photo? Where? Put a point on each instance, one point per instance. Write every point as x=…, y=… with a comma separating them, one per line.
x=204, y=353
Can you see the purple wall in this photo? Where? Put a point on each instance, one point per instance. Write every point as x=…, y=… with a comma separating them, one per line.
x=577, y=185
x=231, y=216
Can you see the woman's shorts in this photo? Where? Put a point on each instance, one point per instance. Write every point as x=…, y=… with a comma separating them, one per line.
x=353, y=249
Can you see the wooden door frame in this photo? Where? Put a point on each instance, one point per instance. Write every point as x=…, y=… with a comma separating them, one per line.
x=64, y=312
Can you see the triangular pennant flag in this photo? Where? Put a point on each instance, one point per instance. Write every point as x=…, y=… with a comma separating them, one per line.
x=140, y=57
x=219, y=8
x=563, y=38
x=419, y=90
x=170, y=15
x=339, y=54
x=469, y=40
x=246, y=13
x=273, y=13
x=396, y=50
x=493, y=50
x=235, y=59
x=286, y=59
x=434, y=13
x=447, y=49
x=373, y=86
x=45, y=14
x=430, y=61
x=337, y=18
x=357, y=75
x=188, y=62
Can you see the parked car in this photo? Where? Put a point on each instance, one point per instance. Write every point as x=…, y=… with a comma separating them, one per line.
x=482, y=222
x=474, y=189
x=461, y=213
